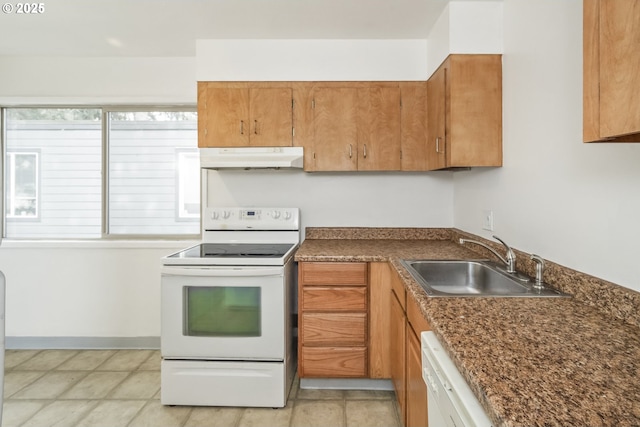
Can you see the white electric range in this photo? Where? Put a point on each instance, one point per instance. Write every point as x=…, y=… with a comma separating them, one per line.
x=226, y=337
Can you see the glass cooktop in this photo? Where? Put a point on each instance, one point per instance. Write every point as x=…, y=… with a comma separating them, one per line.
x=238, y=250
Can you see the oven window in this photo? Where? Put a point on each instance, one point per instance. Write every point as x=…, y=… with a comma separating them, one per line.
x=222, y=311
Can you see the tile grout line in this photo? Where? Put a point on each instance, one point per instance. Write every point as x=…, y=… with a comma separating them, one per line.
x=294, y=403
x=140, y=415
x=95, y=401
x=52, y=369
x=138, y=412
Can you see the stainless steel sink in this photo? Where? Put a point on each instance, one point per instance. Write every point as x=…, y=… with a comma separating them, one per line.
x=471, y=279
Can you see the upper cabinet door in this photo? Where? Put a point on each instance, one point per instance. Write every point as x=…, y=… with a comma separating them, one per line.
x=271, y=115
x=619, y=67
x=474, y=110
x=413, y=126
x=436, y=119
x=379, y=128
x=241, y=117
x=335, y=137
x=356, y=128
x=223, y=117
x=464, y=124
x=611, y=81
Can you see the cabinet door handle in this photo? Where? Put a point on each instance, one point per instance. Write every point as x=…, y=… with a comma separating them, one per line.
x=241, y=127
x=255, y=127
x=364, y=151
x=350, y=151
x=437, y=144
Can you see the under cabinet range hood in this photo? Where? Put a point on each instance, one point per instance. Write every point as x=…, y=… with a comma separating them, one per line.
x=251, y=158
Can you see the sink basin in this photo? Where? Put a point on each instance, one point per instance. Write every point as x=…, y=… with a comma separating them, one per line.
x=471, y=279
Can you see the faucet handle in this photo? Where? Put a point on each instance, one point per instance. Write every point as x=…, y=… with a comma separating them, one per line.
x=538, y=284
x=511, y=256
x=509, y=250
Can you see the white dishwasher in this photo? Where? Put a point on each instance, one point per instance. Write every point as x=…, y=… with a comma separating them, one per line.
x=451, y=401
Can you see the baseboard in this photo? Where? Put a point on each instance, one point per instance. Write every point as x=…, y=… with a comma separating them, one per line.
x=81, y=343
x=346, y=383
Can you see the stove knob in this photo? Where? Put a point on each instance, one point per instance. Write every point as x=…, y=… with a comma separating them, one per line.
x=226, y=214
x=275, y=214
x=287, y=215
x=215, y=215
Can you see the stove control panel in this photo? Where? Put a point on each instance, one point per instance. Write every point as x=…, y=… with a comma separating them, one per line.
x=251, y=218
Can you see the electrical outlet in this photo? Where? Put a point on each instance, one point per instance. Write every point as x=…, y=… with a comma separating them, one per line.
x=487, y=220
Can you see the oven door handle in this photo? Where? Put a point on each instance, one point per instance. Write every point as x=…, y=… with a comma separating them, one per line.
x=223, y=271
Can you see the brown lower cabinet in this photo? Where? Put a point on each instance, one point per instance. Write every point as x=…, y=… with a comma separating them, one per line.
x=332, y=362
x=406, y=324
x=397, y=353
x=332, y=320
x=355, y=320
x=416, y=406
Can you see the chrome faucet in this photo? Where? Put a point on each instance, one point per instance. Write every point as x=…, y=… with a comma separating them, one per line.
x=510, y=260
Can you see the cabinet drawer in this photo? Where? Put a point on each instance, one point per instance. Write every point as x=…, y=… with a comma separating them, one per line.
x=333, y=273
x=348, y=329
x=334, y=299
x=334, y=362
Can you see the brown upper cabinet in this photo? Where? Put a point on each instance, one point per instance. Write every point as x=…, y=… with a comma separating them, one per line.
x=243, y=116
x=464, y=112
x=356, y=128
x=413, y=126
x=452, y=120
x=436, y=123
x=611, y=82
x=335, y=129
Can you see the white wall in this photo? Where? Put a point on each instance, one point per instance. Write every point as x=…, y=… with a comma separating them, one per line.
x=71, y=80
x=573, y=203
x=465, y=27
x=311, y=60
x=83, y=289
x=341, y=199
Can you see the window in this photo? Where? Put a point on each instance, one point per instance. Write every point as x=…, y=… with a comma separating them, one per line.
x=91, y=172
x=147, y=179
x=65, y=177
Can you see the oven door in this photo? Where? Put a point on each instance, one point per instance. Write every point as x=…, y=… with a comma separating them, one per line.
x=224, y=312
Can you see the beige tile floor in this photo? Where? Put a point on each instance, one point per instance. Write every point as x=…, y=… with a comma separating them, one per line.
x=115, y=388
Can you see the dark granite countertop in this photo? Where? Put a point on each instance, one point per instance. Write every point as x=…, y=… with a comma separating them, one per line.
x=530, y=361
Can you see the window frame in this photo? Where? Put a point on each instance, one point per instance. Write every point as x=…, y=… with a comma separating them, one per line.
x=105, y=110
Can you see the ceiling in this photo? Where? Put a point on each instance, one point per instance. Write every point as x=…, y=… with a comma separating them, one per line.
x=157, y=28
